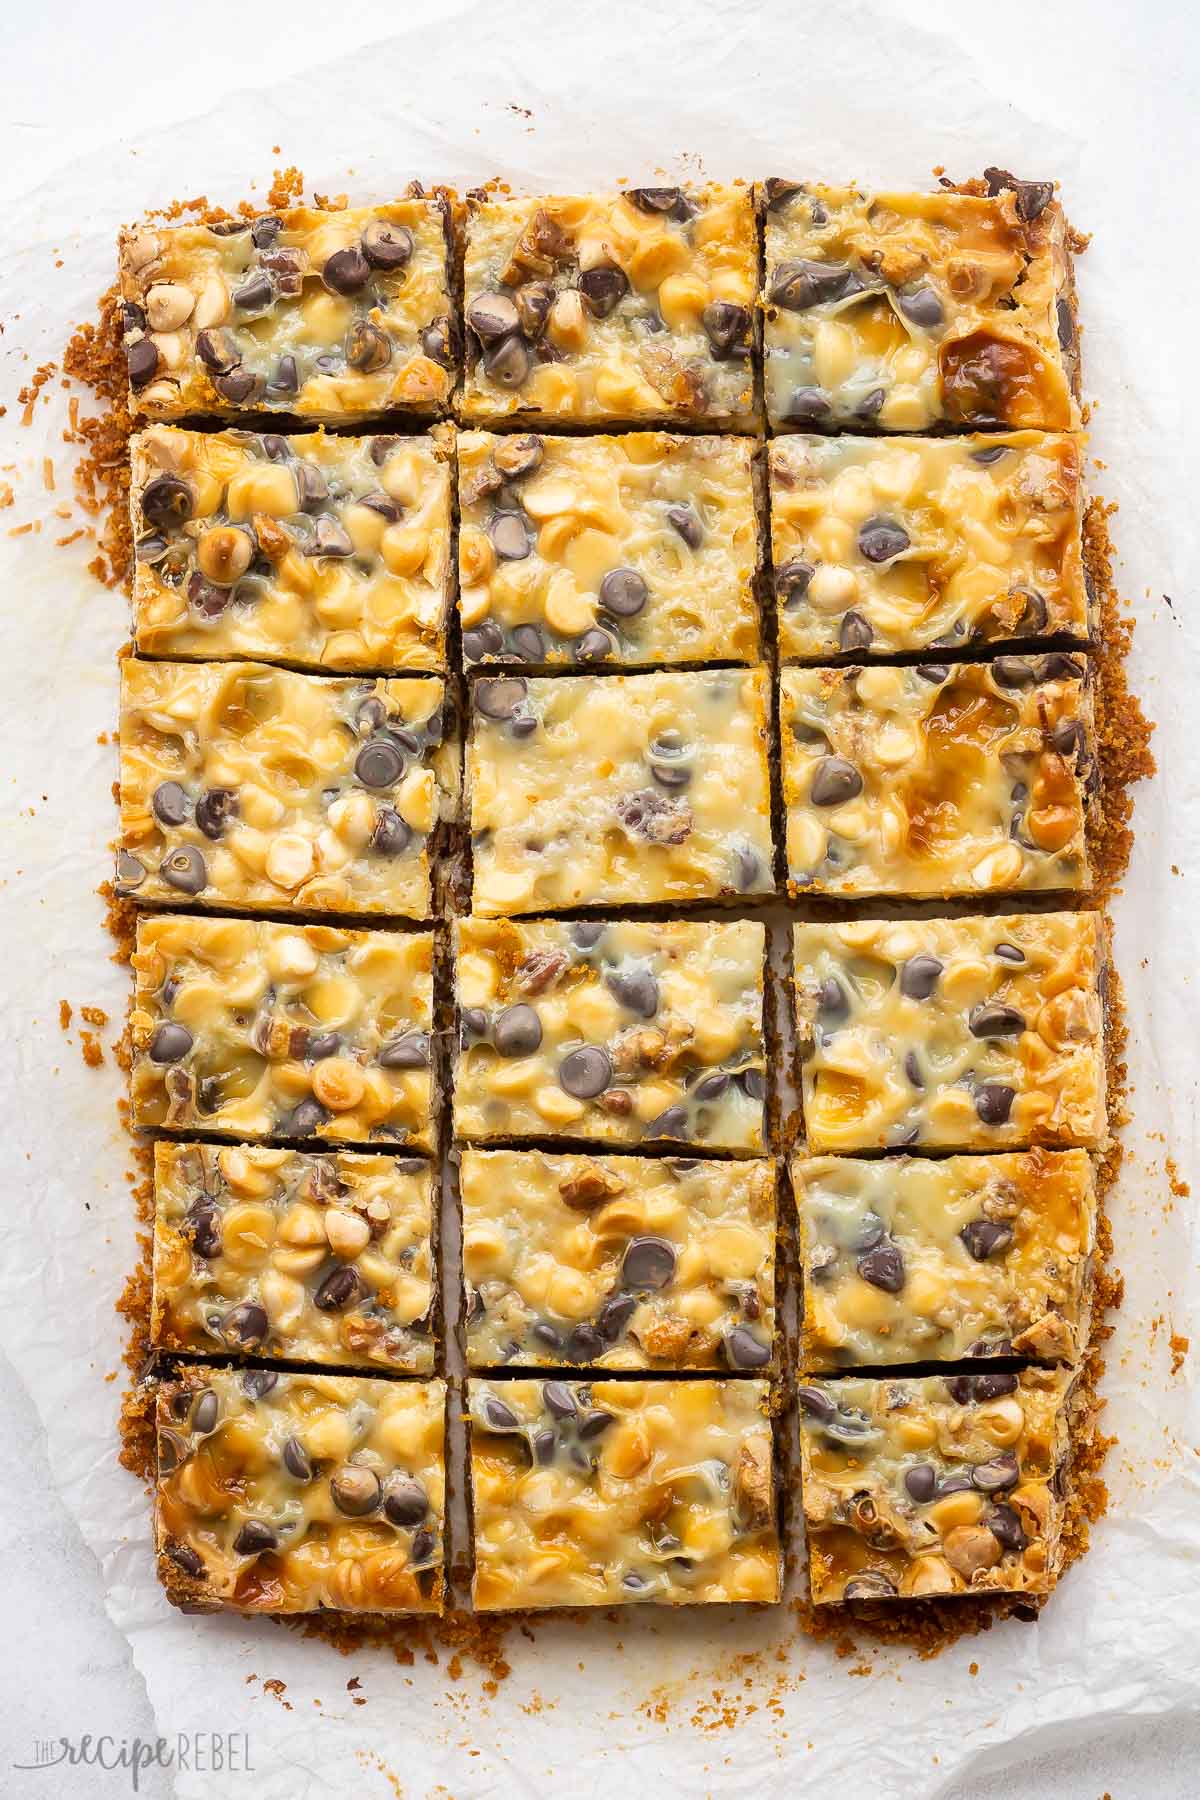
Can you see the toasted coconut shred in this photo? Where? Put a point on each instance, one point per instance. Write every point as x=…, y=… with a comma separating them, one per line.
x=93, y=362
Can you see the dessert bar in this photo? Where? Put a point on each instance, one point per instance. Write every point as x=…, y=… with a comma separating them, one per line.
x=631, y=1031
x=618, y=1262
x=633, y=550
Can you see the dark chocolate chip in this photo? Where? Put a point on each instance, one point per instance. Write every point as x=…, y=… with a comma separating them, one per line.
x=518, y=1031
x=648, y=1263
x=169, y=803
x=307, y=1119
x=986, y=1237
x=499, y=1416
x=684, y=520
x=286, y=378
x=518, y=456
x=528, y=644
x=726, y=326
x=1013, y=672
x=615, y=1315
x=991, y=1020
x=558, y=1400
x=592, y=1423
x=368, y=347
x=355, y=1490
x=500, y=699
x=316, y=1049
x=346, y=271
x=993, y=1102
x=379, y=764
x=409, y=1051
x=912, y=1069
x=833, y=1002
x=655, y=199
x=246, y=1325
x=919, y=976
x=883, y=1267
x=238, y=386
x=744, y=1351
x=1005, y=1526
x=297, y=1461
x=998, y=1473
x=747, y=868
x=800, y=284
x=994, y=1387
x=167, y=501
x=881, y=539
x=206, y=1412
x=187, y=1559
x=142, y=362
x=585, y=1072
x=921, y=307
x=507, y=363
x=1009, y=953
x=405, y=1502
x=808, y=406
x=595, y=645
x=856, y=633
x=218, y=351
x=869, y=1584
x=778, y=192
x=636, y=989
x=214, y=810
x=792, y=579
x=583, y=1344
x=255, y=293
x=816, y=1404
x=586, y=935
x=130, y=872
x=920, y=1481
x=834, y=782
x=509, y=533
x=623, y=593
x=255, y=1536
x=184, y=868
x=933, y=672
x=603, y=288
x=170, y=1043
x=493, y=317
x=387, y=246
x=340, y=1289
x=436, y=341
x=712, y=1086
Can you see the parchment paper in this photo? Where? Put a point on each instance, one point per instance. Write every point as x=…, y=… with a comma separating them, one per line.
x=553, y=98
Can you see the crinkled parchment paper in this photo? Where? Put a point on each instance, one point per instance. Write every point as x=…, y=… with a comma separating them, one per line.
x=553, y=98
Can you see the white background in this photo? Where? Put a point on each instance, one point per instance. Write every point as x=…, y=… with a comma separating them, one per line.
x=106, y=110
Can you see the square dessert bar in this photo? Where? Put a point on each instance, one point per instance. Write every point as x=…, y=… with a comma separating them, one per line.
x=254, y=1030
x=244, y=785
x=953, y=1034
x=889, y=545
x=300, y=1493
x=906, y=312
x=619, y=1262
x=322, y=1259
x=616, y=1492
x=633, y=1031
x=942, y=1484
x=326, y=315
x=325, y=552
x=623, y=308
x=938, y=778
x=634, y=549
x=910, y=1259
x=607, y=790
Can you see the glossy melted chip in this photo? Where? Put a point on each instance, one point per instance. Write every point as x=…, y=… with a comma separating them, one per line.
x=946, y=778
x=634, y=1032
x=971, y=1033
x=324, y=1259
x=619, y=789
x=619, y=1262
x=256, y=1030
x=627, y=308
x=328, y=552
x=908, y=1260
x=936, y=1485
x=614, y=1493
x=902, y=312
x=887, y=545
x=328, y=315
x=248, y=786
x=632, y=549
x=300, y=1493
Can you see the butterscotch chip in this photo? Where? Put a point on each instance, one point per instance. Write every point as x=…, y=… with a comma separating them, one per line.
x=332, y=553
x=887, y=545
x=625, y=550
x=326, y=315
x=557, y=1020
x=909, y=1260
x=898, y=312
x=616, y=1493
x=628, y=308
x=618, y=1262
x=970, y=1033
x=244, y=785
x=605, y=790
x=295, y=1493
x=234, y=1019
x=934, y=1485
x=940, y=778
x=324, y=1259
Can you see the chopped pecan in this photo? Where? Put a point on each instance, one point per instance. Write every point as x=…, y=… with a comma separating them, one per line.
x=589, y=1188
x=540, y=968
x=541, y=247
x=660, y=821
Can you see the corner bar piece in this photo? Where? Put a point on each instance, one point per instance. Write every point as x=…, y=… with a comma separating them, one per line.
x=636, y=1032
x=626, y=308
x=338, y=316
x=332, y=553
x=953, y=1034
x=247, y=786
x=886, y=546
x=637, y=549
x=906, y=312
x=323, y=1259
x=909, y=1260
x=915, y=1488
x=301, y=1493
x=614, y=1493
x=256, y=1030
x=612, y=790
x=938, y=779
x=618, y=1262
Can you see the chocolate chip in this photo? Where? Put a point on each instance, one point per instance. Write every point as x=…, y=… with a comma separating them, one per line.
x=499, y=1416
x=518, y=456
x=507, y=363
x=655, y=199
x=994, y=1387
x=921, y=307
x=883, y=1267
x=747, y=868
x=346, y=271
x=778, y=192
x=712, y=1086
x=800, y=284
x=206, y=1412
x=237, y=387
x=1035, y=614
x=993, y=1102
x=1012, y=672
x=615, y=1315
x=518, y=1031
x=808, y=406
x=169, y=803
x=586, y=935
x=187, y=1559
x=870, y=406
x=492, y=317
x=623, y=593
x=834, y=782
x=585, y=1072
x=254, y=1537
x=992, y=1020
x=986, y=1237
x=307, y=1119
x=1009, y=953
x=881, y=539
x=603, y=288
x=792, y=579
x=726, y=326
x=833, y=1002
x=406, y=1502
x=499, y=699
x=355, y=1490
x=816, y=1404
x=340, y=1289
x=934, y=673
x=528, y=644
x=255, y=294
x=558, y=1400
x=167, y=501
x=379, y=764
x=199, y=1227
x=246, y=1325
x=184, y=868
x=286, y=379
x=636, y=989
x=1005, y=1526
x=297, y=1461
x=130, y=872
x=436, y=342
x=1065, y=323
x=998, y=1473
x=912, y=1069
x=583, y=1343
x=170, y=1043
x=919, y=976
x=510, y=536
x=214, y=810
x=684, y=520
x=368, y=347
x=648, y=1263
x=387, y=246
x=172, y=1450
x=1032, y=197
x=595, y=645
x=869, y=1584
x=316, y=1049
x=408, y=1051
x=142, y=362
x=672, y=1123
x=744, y=1351
x=856, y=633
x=920, y=1481
x=592, y=1423
x=218, y=351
